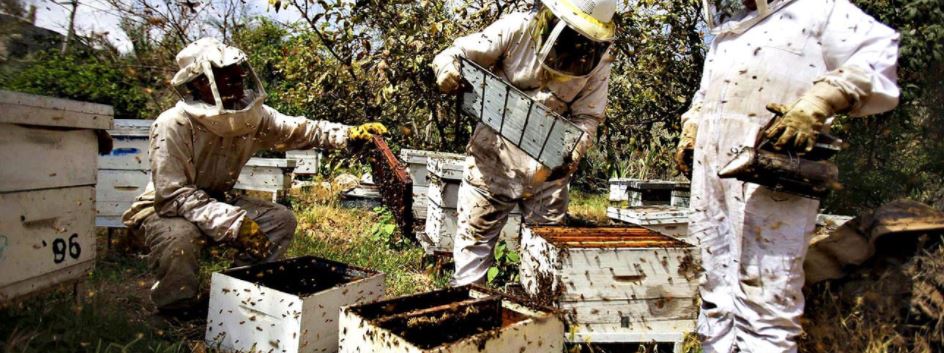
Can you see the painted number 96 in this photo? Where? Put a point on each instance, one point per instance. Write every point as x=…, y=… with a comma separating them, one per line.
x=59, y=249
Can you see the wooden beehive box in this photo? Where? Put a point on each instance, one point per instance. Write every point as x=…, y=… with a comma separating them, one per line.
x=538, y=131
x=287, y=306
x=416, y=161
x=306, y=162
x=681, y=195
x=272, y=176
x=668, y=220
x=614, y=284
x=639, y=193
x=124, y=173
x=442, y=215
x=395, y=185
x=455, y=320
x=49, y=159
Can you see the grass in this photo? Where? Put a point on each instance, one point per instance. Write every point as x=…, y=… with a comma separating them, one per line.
x=590, y=207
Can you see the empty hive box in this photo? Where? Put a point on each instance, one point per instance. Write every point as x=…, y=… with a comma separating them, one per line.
x=668, y=220
x=455, y=320
x=395, y=184
x=286, y=306
x=613, y=284
x=442, y=215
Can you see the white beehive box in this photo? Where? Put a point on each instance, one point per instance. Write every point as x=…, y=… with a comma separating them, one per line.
x=681, y=197
x=48, y=154
x=638, y=193
x=614, y=284
x=124, y=173
x=416, y=161
x=306, y=162
x=445, y=177
x=455, y=320
x=270, y=175
x=287, y=306
x=668, y=220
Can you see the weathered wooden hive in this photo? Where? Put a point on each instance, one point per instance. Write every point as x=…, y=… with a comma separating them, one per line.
x=287, y=306
x=416, y=161
x=614, y=284
x=681, y=195
x=124, y=173
x=455, y=320
x=445, y=177
x=48, y=165
x=639, y=193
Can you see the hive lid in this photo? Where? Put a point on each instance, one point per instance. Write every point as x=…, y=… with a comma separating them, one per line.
x=131, y=127
x=420, y=156
x=30, y=109
x=606, y=237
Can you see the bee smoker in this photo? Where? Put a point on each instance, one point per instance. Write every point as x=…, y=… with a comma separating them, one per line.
x=809, y=175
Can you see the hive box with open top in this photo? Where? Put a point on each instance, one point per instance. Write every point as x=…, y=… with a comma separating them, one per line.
x=286, y=306
x=456, y=320
x=48, y=170
x=614, y=284
x=538, y=131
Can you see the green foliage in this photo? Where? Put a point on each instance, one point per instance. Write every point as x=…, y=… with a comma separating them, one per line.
x=385, y=230
x=505, y=268
x=900, y=153
x=85, y=78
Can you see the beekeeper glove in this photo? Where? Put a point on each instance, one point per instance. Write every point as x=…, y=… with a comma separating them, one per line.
x=365, y=132
x=686, y=147
x=253, y=240
x=799, y=124
x=447, y=76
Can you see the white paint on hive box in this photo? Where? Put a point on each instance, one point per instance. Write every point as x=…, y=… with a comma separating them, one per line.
x=442, y=226
x=248, y=314
x=40, y=158
x=638, y=283
x=46, y=237
x=512, y=326
x=131, y=142
x=307, y=162
x=671, y=221
x=272, y=175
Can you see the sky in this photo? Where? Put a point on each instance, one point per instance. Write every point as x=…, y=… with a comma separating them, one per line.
x=99, y=16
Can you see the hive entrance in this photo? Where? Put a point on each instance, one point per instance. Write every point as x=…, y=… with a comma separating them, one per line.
x=301, y=276
x=439, y=318
x=606, y=237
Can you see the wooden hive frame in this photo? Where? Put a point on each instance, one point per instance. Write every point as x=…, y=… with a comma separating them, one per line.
x=396, y=186
x=537, y=130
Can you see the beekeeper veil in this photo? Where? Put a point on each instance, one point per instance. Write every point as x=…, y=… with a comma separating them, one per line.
x=573, y=36
x=737, y=16
x=218, y=88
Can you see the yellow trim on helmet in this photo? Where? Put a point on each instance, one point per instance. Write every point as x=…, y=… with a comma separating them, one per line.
x=593, y=28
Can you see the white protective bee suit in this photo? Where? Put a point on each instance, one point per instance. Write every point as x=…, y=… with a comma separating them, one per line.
x=196, y=156
x=753, y=240
x=498, y=175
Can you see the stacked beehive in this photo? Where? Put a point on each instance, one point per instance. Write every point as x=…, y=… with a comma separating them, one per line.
x=48, y=153
x=445, y=176
x=658, y=205
x=124, y=173
x=417, y=161
x=614, y=284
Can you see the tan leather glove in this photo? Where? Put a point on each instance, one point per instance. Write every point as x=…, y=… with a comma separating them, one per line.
x=253, y=240
x=365, y=132
x=686, y=147
x=448, y=77
x=799, y=124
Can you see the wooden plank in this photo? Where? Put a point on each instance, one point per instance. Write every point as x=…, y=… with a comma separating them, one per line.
x=396, y=186
x=631, y=314
x=39, y=158
x=272, y=163
x=45, y=231
x=29, y=109
x=121, y=185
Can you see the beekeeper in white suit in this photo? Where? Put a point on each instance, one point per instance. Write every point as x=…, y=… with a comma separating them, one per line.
x=559, y=56
x=197, y=150
x=819, y=57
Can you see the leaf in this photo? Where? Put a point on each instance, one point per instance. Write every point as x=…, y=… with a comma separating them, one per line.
x=513, y=257
x=492, y=274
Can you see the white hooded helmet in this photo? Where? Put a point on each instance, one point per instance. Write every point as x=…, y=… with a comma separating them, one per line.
x=574, y=41
x=236, y=105
x=735, y=16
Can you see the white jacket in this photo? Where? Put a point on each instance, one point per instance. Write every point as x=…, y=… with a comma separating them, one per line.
x=192, y=168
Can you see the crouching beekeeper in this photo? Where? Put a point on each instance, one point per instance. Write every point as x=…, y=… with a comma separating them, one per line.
x=559, y=56
x=197, y=149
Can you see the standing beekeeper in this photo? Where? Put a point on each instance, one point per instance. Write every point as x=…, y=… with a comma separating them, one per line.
x=559, y=56
x=805, y=60
x=197, y=150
